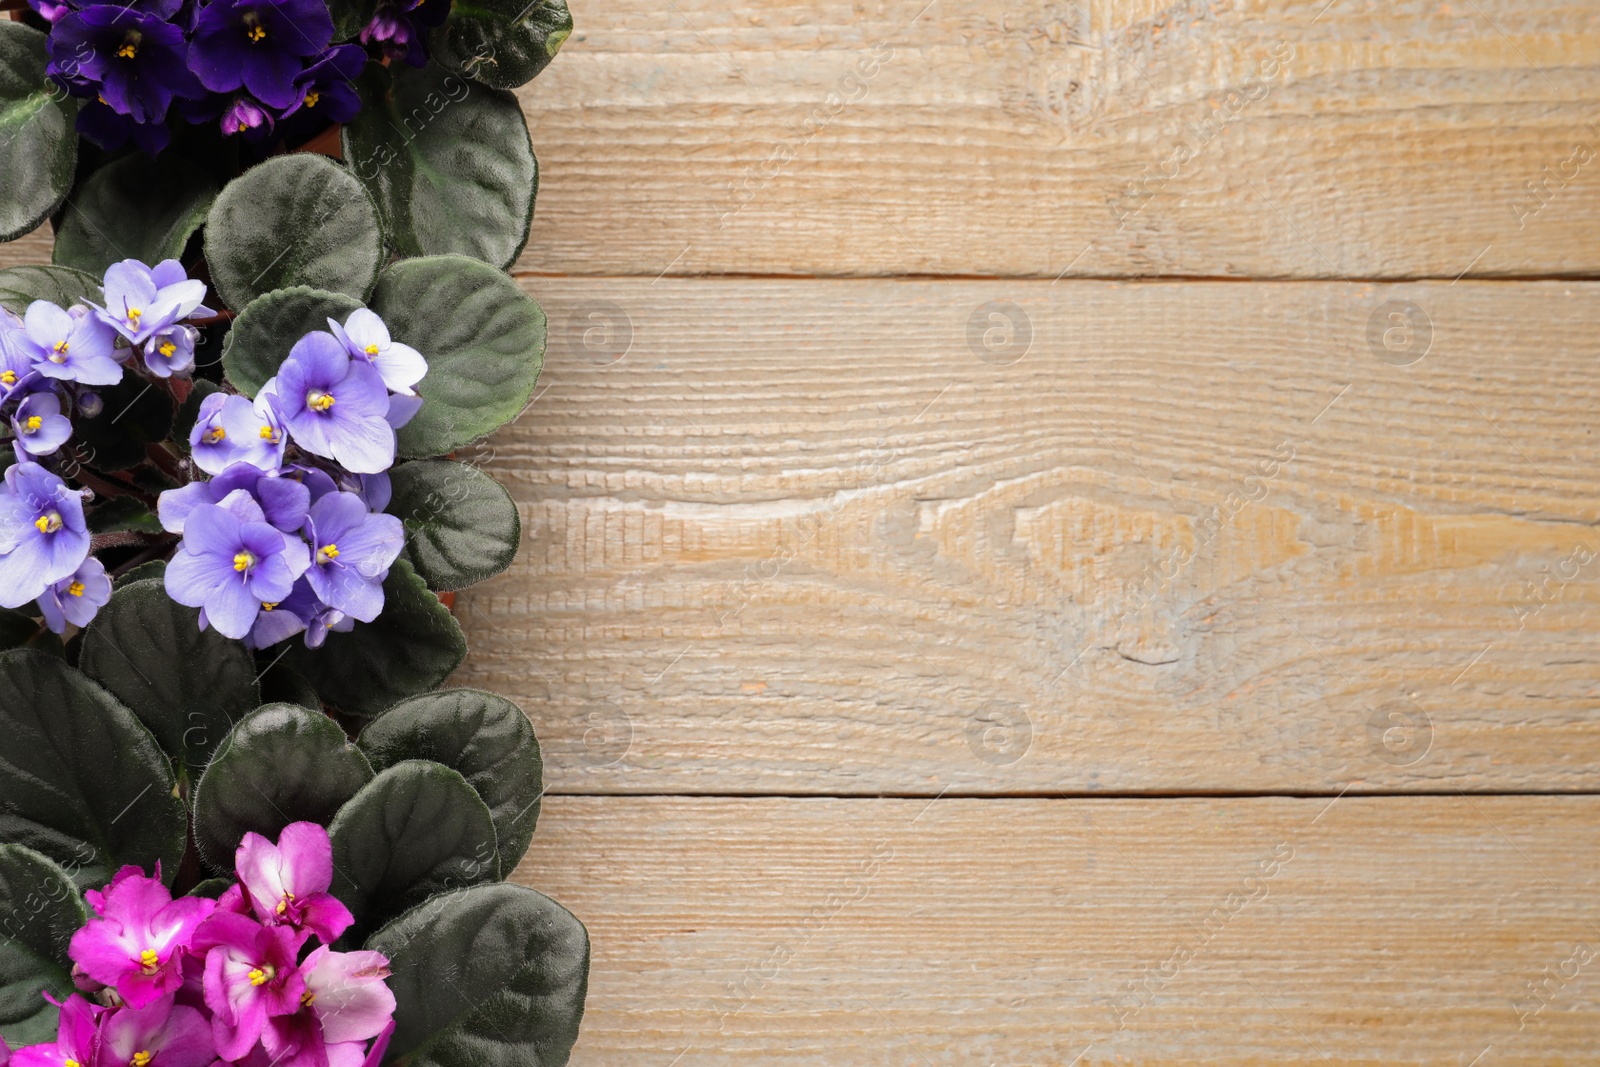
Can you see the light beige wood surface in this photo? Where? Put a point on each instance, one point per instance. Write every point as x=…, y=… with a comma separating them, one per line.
x=1018, y=932
x=1362, y=138
x=800, y=538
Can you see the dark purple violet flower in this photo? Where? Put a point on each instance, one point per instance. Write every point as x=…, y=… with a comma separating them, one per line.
x=136, y=61
x=401, y=26
x=327, y=87
x=283, y=500
x=111, y=131
x=335, y=407
x=39, y=425
x=258, y=44
x=232, y=561
x=352, y=549
x=43, y=537
x=76, y=597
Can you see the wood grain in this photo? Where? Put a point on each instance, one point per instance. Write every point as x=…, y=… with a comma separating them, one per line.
x=1346, y=139
x=1020, y=932
x=802, y=539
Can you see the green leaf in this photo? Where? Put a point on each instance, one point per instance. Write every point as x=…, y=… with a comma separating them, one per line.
x=281, y=764
x=483, y=339
x=16, y=629
x=448, y=161
x=135, y=208
x=38, y=144
x=519, y=968
x=503, y=43
x=211, y=888
x=461, y=525
x=410, y=648
x=80, y=779
x=40, y=910
x=156, y=568
x=187, y=685
x=63, y=286
x=415, y=830
x=136, y=414
x=282, y=685
x=350, y=16
x=483, y=736
x=270, y=325
x=298, y=219
x=122, y=513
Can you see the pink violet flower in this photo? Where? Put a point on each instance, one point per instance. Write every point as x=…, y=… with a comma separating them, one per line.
x=250, y=977
x=162, y=1034
x=77, y=1039
x=346, y=1003
x=137, y=939
x=287, y=883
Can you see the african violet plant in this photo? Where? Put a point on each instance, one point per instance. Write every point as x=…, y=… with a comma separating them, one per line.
x=240, y=820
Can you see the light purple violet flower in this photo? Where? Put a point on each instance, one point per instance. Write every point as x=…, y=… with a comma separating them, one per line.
x=234, y=429
x=71, y=345
x=77, y=597
x=283, y=500
x=250, y=975
x=16, y=355
x=352, y=550
x=136, y=940
x=77, y=1038
x=43, y=537
x=171, y=351
x=300, y=611
x=231, y=562
x=39, y=425
x=402, y=409
x=334, y=406
x=161, y=1034
x=141, y=300
x=287, y=883
x=366, y=338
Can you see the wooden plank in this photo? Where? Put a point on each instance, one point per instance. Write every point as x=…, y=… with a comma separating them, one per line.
x=1325, y=139
x=1441, y=930
x=1200, y=537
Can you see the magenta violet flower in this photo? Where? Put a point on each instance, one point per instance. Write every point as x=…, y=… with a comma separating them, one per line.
x=250, y=976
x=287, y=883
x=43, y=536
x=346, y=1003
x=258, y=44
x=351, y=551
x=231, y=562
x=77, y=1042
x=160, y=1034
x=70, y=345
x=39, y=425
x=136, y=938
x=334, y=406
x=77, y=597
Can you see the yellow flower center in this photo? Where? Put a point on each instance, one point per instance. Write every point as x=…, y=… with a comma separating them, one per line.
x=8, y=376
x=269, y=434
x=268, y=605
x=306, y=998
x=129, y=49
x=262, y=974
x=58, y=352
x=141, y=1058
x=283, y=905
x=372, y=350
x=70, y=1063
x=75, y=589
x=133, y=315
x=33, y=424
x=327, y=552
x=256, y=33
x=312, y=98
x=149, y=961
x=50, y=522
x=166, y=348
x=215, y=434
x=317, y=400
x=243, y=561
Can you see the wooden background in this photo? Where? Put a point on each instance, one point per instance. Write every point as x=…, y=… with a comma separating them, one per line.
x=1003, y=588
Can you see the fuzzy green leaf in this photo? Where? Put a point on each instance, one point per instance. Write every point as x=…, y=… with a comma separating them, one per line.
x=40, y=910
x=270, y=325
x=135, y=208
x=38, y=144
x=502, y=43
x=461, y=525
x=62, y=286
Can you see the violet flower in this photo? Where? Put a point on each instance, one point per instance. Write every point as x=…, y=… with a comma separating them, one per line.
x=135, y=61
x=77, y=1038
x=283, y=500
x=258, y=44
x=77, y=597
x=39, y=425
x=246, y=116
x=231, y=562
x=351, y=552
x=287, y=883
x=365, y=337
x=401, y=26
x=141, y=300
x=300, y=611
x=327, y=87
x=334, y=406
x=346, y=1003
x=43, y=537
x=250, y=976
x=233, y=429
x=171, y=351
x=136, y=940
x=161, y=1034
x=106, y=128
x=70, y=345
